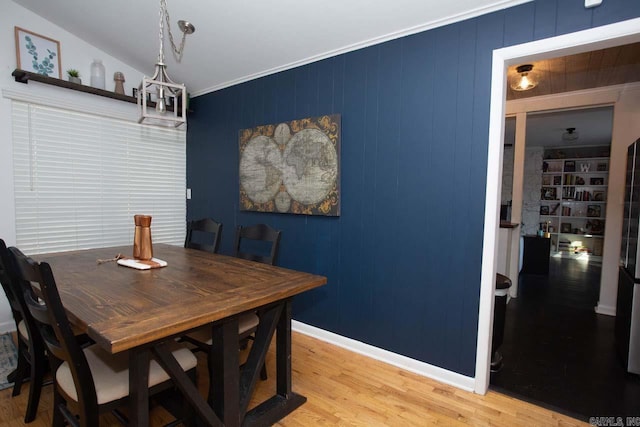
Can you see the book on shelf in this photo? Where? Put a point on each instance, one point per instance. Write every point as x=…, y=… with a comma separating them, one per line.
x=567, y=179
x=568, y=192
x=583, y=196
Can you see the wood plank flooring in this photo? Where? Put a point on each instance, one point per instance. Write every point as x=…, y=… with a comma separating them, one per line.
x=348, y=389
x=558, y=352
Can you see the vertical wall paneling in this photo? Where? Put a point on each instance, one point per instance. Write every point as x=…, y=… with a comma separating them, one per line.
x=446, y=218
x=614, y=11
x=519, y=24
x=545, y=19
x=387, y=217
x=417, y=203
x=463, y=180
x=572, y=17
x=403, y=260
x=358, y=142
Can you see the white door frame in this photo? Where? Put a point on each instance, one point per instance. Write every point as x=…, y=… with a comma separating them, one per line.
x=583, y=41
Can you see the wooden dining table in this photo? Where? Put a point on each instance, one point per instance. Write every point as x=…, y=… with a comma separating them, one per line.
x=140, y=311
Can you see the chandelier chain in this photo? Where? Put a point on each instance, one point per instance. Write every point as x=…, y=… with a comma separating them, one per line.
x=177, y=52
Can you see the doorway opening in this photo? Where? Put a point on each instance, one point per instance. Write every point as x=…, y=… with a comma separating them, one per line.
x=557, y=351
x=624, y=128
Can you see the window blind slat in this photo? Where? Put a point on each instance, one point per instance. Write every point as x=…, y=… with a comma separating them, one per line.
x=79, y=179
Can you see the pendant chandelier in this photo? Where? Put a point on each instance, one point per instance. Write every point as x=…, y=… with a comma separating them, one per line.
x=162, y=101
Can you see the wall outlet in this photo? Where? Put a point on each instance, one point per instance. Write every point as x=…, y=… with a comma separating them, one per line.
x=188, y=194
x=592, y=3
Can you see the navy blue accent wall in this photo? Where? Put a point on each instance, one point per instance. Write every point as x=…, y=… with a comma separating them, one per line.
x=403, y=260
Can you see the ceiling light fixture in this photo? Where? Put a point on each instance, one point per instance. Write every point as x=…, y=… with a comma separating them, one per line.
x=525, y=79
x=162, y=101
x=570, y=134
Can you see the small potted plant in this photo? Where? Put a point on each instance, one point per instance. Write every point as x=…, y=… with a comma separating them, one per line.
x=74, y=76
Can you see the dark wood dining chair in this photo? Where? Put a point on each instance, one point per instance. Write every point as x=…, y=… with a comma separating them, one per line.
x=32, y=360
x=258, y=243
x=201, y=338
x=87, y=381
x=204, y=235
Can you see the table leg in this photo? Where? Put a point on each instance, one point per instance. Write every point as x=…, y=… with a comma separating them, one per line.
x=139, y=387
x=224, y=360
x=283, y=352
x=184, y=383
x=285, y=401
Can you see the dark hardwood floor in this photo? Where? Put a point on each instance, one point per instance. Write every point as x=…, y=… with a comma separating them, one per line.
x=558, y=352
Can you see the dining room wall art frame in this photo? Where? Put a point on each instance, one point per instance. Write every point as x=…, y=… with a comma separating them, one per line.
x=37, y=53
x=291, y=167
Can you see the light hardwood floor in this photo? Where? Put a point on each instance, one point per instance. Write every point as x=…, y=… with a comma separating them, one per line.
x=347, y=389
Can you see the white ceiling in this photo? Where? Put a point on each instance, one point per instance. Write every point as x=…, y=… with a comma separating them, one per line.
x=239, y=40
x=593, y=125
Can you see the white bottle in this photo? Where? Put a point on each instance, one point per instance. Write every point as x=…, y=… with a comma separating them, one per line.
x=97, y=74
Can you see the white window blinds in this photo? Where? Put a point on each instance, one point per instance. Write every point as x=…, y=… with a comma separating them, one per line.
x=80, y=178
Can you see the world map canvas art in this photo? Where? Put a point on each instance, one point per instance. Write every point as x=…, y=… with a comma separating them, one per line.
x=292, y=167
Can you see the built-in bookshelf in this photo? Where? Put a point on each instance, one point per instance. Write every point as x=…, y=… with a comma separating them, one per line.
x=573, y=199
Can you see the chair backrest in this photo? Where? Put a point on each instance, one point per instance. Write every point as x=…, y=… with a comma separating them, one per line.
x=203, y=230
x=6, y=280
x=257, y=243
x=53, y=324
x=15, y=296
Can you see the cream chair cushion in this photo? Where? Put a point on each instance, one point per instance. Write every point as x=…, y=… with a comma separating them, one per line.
x=111, y=372
x=245, y=323
x=22, y=330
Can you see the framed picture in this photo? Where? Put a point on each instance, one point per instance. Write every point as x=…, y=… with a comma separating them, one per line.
x=601, y=167
x=594, y=211
x=38, y=54
x=544, y=210
x=595, y=226
x=557, y=180
x=598, y=196
x=548, y=193
x=565, y=227
x=569, y=166
x=596, y=181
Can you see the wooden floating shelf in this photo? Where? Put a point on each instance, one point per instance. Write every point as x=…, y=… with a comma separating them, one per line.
x=22, y=76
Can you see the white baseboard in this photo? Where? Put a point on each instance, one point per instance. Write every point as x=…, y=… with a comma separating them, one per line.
x=421, y=368
x=7, y=327
x=605, y=309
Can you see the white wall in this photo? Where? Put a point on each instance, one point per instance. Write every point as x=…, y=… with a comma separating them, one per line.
x=507, y=175
x=531, y=190
x=74, y=53
x=626, y=129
